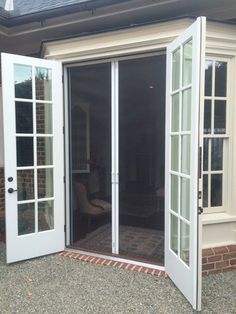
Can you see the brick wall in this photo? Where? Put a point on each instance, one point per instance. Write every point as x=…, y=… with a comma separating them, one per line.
x=218, y=260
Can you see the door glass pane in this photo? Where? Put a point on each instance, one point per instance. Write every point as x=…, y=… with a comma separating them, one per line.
x=185, y=198
x=176, y=70
x=175, y=113
x=43, y=82
x=25, y=155
x=187, y=63
x=175, y=152
x=184, y=243
x=205, y=190
x=45, y=183
x=25, y=185
x=220, y=117
x=44, y=118
x=186, y=110
x=45, y=216
x=174, y=193
x=217, y=154
x=44, y=151
x=205, y=154
x=207, y=117
x=185, y=154
x=23, y=81
x=24, y=117
x=26, y=218
x=208, y=78
x=220, y=78
x=216, y=190
x=174, y=233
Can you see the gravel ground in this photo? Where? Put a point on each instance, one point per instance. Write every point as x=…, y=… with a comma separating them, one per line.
x=56, y=284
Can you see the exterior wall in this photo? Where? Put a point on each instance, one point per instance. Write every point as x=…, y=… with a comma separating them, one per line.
x=218, y=260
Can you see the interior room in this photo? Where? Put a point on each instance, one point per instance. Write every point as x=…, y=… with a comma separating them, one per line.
x=141, y=117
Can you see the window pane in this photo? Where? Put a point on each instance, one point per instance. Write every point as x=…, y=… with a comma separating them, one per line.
x=26, y=218
x=185, y=154
x=25, y=185
x=45, y=216
x=207, y=117
x=174, y=193
x=45, y=183
x=176, y=70
x=187, y=64
x=221, y=78
x=205, y=154
x=23, y=81
x=175, y=113
x=24, y=117
x=208, y=78
x=216, y=190
x=25, y=156
x=44, y=118
x=220, y=117
x=174, y=233
x=43, y=81
x=184, y=241
x=186, y=110
x=175, y=153
x=44, y=151
x=185, y=198
x=217, y=154
x=205, y=190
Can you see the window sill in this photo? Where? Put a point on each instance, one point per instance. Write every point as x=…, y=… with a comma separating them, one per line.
x=217, y=218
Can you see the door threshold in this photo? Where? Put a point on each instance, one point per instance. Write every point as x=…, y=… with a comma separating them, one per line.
x=107, y=260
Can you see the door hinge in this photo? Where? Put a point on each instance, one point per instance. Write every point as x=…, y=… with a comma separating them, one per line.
x=199, y=195
x=200, y=210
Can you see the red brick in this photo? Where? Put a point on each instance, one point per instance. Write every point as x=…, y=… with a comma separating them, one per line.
x=220, y=250
x=204, y=273
x=232, y=248
x=229, y=256
x=204, y=260
x=214, y=258
x=222, y=264
x=228, y=269
x=207, y=252
x=214, y=272
x=233, y=261
x=208, y=266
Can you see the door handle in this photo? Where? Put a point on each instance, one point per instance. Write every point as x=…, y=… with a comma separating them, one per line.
x=11, y=190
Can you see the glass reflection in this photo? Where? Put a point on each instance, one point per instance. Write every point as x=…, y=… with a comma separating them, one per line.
x=23, y=81
x=26, y=219
x=216, y=190
x=44, y=151
x=45, y=183
x=44, y=118
x=220, y=78
x=24, y=117
x=184, y=243
x=208, y=78
x=25, y=185
x=25, y=155
x=220, y=117
x=43, y=82
x=45, y=216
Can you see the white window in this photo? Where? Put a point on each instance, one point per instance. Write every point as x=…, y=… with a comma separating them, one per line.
x=216, y=135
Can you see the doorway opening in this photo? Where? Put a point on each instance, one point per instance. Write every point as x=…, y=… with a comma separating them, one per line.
x=140, y=158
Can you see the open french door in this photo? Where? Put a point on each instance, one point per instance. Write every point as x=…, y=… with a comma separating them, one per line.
x=185, y=76
x=33, y=148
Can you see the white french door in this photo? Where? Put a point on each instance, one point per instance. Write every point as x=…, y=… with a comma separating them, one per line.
x=185, y=68
x=33, y=148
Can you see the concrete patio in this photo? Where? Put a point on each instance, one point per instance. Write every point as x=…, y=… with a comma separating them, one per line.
x=57, y=284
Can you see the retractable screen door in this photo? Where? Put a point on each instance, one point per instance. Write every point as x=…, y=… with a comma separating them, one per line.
x=185, y=68
x=33, y=148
